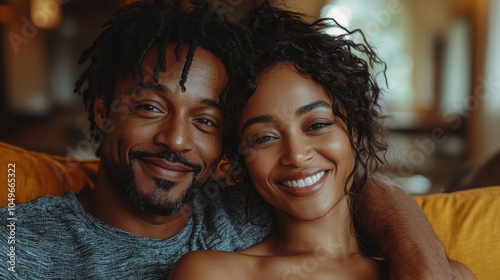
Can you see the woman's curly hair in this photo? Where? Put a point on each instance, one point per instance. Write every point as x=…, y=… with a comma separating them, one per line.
x=342, y=66
x=138, y=27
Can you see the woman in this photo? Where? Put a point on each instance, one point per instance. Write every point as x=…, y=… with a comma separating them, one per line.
x=309, y=136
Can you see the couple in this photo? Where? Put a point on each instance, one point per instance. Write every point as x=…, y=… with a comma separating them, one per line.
x=159, y=88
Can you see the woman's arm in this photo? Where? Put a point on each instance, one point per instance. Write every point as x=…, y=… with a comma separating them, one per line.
x=389, y=219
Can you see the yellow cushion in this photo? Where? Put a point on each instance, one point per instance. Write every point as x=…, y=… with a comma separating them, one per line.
x=468, y=224
x=38, y=174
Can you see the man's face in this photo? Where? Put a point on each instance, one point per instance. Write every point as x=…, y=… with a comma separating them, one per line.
x=160, y=143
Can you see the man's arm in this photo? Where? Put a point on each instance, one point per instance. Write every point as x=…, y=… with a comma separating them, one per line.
x=389, y=219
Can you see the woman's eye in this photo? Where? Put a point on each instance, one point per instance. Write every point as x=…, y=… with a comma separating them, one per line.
x=261, y=140
x=320, y=125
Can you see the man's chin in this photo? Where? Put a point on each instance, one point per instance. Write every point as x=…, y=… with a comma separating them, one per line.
x=162, y=210
x=146, y=194
x=164, y=184
x=159, y=202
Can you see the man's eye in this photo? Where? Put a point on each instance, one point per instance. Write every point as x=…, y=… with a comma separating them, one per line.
x=147, y=107
x=207, y=122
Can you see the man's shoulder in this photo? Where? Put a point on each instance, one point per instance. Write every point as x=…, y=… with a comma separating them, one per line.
x=37, y=233
x=41, y=206
x=226, y=220
x=41, y=216
x=219, y=202
x=47, y=203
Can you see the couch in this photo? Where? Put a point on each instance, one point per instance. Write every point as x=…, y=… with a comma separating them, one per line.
x=467, y=222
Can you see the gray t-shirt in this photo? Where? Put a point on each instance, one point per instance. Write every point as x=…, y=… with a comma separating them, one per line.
x=55, y=238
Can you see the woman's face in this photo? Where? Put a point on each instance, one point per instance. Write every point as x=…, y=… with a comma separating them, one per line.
x=297, y=152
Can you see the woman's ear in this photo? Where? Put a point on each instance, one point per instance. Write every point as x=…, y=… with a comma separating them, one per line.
x=100, y=111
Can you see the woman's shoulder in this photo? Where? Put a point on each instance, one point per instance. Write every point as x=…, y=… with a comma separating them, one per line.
x=222, y=265
x=208, y=264
x=355, y=266
x=369, y=268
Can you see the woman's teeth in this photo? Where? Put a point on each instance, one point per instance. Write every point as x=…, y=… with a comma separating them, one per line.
x=306, y=182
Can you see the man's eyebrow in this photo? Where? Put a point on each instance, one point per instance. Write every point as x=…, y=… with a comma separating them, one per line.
x=148, y=86
x=211, y=103
x=309, y=107
x=256, y=120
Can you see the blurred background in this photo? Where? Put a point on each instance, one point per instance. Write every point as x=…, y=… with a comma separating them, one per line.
x=442, y=99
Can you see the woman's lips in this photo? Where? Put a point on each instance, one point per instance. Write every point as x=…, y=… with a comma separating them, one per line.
x=304, y=182
x=305, y=185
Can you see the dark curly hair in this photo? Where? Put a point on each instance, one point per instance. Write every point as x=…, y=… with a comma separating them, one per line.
x=136, y=28
x=342, y=66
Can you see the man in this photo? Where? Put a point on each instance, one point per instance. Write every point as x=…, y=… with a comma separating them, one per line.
x=155, y=91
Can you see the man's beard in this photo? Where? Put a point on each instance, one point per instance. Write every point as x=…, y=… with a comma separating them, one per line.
x=157, y=202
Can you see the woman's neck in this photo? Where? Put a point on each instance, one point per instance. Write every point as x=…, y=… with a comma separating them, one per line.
x=329, y=235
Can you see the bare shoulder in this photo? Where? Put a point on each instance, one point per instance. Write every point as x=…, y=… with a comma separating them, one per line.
x=205, y=265
x=369, y=268
x=463, y=270
x=362, y=267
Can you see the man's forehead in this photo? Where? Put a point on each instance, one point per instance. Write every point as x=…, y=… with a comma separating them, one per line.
x=181, y=62
x=205, y=77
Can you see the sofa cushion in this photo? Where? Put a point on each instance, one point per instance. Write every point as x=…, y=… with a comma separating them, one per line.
x=468, y=224
x=38, y=174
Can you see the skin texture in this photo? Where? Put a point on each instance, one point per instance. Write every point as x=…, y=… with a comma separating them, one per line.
x=160, y=143
x=289, y=133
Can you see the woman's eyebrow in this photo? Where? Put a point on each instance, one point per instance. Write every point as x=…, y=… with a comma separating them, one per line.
x=258, y=119
x=309, y=107
x=300, y=111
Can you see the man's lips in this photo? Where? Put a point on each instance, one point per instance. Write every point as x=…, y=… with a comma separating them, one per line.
x=167, y=165
x=162, y=169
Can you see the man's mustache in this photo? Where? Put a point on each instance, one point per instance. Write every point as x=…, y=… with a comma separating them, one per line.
x=166, y=155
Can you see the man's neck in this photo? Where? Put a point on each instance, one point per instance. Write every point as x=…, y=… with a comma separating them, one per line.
x=111, y=208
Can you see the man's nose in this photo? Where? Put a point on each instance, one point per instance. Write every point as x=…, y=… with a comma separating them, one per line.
x=176, y=135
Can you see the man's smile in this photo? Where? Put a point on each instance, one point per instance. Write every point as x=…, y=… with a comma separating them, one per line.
x=163, y=169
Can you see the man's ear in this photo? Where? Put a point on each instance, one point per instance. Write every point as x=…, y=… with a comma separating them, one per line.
x=100, y=111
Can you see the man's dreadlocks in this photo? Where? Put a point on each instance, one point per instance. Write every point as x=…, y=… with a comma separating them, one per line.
x=134, y=29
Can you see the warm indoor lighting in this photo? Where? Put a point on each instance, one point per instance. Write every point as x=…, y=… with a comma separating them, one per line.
x=46, y=13
x=4, y=13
